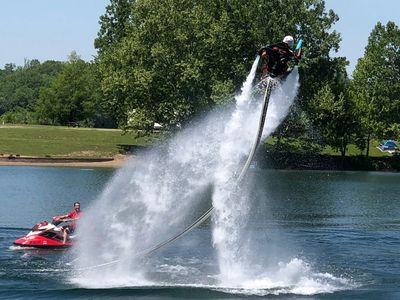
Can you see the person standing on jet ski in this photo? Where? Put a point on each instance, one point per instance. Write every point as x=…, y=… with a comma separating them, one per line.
x=277, y=56
x=75, y=214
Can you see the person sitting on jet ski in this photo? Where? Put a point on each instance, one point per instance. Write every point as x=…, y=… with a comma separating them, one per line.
x=277, y=56
x=74, y=215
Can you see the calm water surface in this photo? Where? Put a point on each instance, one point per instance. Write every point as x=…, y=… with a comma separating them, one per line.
x=342, y=223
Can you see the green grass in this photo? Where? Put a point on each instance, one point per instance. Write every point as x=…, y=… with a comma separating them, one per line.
x=37, y=140
x=298, y=146
x=352, y=150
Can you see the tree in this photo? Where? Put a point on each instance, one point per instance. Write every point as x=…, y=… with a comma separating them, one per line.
x=113, y=24
x=376, y=84
x=334, y=118
x=72, y=97
x=175, y=59
x=19, y=86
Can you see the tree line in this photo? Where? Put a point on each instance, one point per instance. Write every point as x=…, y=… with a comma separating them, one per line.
x=169, y=61
x=53, y=93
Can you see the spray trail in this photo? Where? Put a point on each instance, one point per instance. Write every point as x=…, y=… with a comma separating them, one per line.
x=155, y=195
x=232, y=210
x=152, y=197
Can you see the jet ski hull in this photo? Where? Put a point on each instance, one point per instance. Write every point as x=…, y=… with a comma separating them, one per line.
x=44, y=235
x=41, y=242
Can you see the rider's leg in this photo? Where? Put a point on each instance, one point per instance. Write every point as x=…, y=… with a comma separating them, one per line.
x=65, y=235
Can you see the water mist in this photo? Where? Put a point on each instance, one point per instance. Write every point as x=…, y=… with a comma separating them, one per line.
x=153, y=197
x=160, y=192
x=231, y=202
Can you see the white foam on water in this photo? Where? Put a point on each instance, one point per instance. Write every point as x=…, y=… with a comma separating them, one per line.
x=293, y=277
x=101, y=280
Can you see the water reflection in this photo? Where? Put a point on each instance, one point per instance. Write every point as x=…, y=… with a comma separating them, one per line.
x=339, y=199
x=31, y=194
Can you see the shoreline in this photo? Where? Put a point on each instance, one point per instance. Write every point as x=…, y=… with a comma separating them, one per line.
x=274, y=160
x=32, y=161
x=298, y=161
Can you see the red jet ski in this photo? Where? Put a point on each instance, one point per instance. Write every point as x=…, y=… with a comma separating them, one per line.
x=47, y=235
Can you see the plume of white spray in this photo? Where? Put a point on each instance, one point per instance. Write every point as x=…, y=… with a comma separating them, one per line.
x=281, y=101
x=152, y=197
x=231, y=207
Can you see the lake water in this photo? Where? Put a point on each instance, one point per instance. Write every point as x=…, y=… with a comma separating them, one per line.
x=336, y=233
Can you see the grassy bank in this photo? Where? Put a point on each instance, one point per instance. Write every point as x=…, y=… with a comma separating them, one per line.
x=297, y=154
x=57, y=141
x=32, y=140
x=305, y=147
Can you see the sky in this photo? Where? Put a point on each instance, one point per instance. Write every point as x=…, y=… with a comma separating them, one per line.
x=52, y=29
x=357, y=18
x=48, y=29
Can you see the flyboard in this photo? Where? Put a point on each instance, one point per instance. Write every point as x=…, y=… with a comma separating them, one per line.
x=268, y=82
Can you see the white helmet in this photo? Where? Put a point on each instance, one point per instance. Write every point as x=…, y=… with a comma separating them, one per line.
x=289, y=40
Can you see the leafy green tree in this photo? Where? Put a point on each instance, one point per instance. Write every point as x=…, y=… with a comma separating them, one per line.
x=9, y=68
x=175, y=59
x=376, y=84
x=114, y=24
x=72, y=95
x=19, y=86
x=334, y=118
x=19, y=116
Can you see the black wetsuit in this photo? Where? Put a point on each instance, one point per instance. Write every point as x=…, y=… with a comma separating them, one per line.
x=278, y=56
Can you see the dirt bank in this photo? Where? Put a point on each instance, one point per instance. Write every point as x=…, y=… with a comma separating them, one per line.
x=107, y=162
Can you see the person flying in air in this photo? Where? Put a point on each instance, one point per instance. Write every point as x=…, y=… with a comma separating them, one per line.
x=277, y=56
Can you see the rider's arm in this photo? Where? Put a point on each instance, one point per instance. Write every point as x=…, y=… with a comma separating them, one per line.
x=265, y=49
x=298, y=54
x=296, y=59
x=260, y=52
x=67, y=216
x=294, y=56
